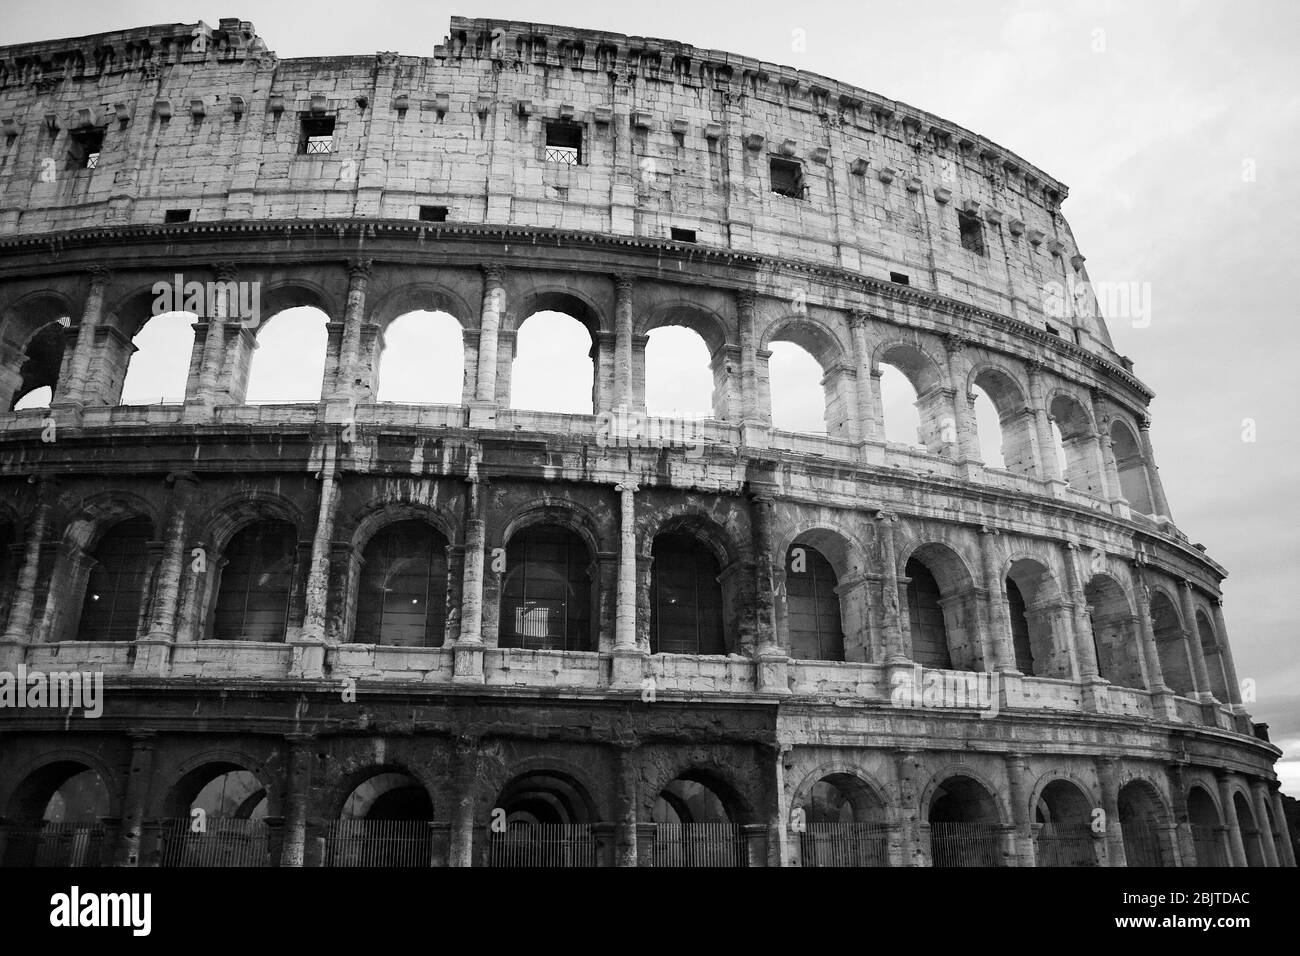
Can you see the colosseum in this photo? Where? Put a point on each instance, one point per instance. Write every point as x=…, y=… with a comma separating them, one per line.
x=353, y=632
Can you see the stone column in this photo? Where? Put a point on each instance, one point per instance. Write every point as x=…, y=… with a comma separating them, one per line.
x=1192, y=635
x=155, y=647
x=494, y=300
x=1259, y=790
x=297, y=791
x=352, y=385
x=869, y=415
x=1225, y=654
x=1184, y=841
x=1285, y=848
x=1108, y=776
x=213, y=357
x=913, y=847
x=625, y=775
x=309, y=652
x=134, y=801
x=461, y=851
x=999, y=614
x=623, y=398
x=1049, y=469
x=1020, y=815
x=468, y=660
x=963, y=415
x=74, y=390
x=1110, y=467
x=1085, y=648
x=1161, y=696
x=18, y=633
x=627, y=660
x=755, y=421
x=898, y=645
x=1236, y=847
x=773, y=659
x=1153, y=473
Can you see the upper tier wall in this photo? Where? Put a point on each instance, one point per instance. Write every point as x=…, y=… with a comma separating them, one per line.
x=672, y=137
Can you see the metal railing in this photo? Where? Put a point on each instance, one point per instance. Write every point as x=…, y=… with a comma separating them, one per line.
x=386, y=843
x=1209, y=846
x=1141, y=845
x=551, y=845
x=566, y=155
x=223, y=842
x=964, y=844
x=1070, y=844
x=55, y=844
x=700, y=845
x=844, y=844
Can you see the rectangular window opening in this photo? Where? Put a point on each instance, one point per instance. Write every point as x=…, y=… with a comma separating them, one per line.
x=972, y=233
x=317, y=135
x=84, y=146
x=787, y=178
x=176, y=215
x=899, y=277
x=564, y=143
x=433, y=214
x=682, y=235
x=1051, y=329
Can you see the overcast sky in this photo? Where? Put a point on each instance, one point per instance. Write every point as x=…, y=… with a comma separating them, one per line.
x=1173, y=123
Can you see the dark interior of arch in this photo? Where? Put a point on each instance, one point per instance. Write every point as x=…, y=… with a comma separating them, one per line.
x=813, y=607
x=685, y=597
x=402, y=591
x=547, y=597
x=43, y=359
x=925, y=617
x=256, y=583
x=114, y=605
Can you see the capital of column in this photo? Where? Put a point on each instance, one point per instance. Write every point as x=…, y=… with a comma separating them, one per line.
x=99, y=276
x=858, y=318
x=493, y=275
x=226, y=271
x=1144, y=423
x=888, y=517
x=745, y=299
x=954, y=343
x=624, y=284
x=360, y=268
x=624, y=486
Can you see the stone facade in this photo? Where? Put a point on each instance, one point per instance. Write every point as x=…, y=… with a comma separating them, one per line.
x=1113, y=727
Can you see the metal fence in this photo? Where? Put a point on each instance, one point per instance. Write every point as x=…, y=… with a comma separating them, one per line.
x=1209, y=846
x=699, y=845
x=964, y=844
x=1065, y=845
x=543, y=845
x=844, y=844
x=55, y=844
x=1141, y=845
x=379, y=843
x=223, y=842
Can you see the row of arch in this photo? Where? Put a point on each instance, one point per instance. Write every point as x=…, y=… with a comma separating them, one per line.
x=401, y=575
x=805, y=366
x=960, y=808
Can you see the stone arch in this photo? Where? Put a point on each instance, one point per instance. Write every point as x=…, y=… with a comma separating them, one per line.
x=838, y=374
x=564, y=512
x=1114, y=627
x=1171, y=642
x=29, y=313
x=1061, y=814
x=926, y=375
x=712, y=327
x=698, y=524
x=292, y=292
x=564, y=795
x=994, y=805
x=945, y=621
x=1205, y=819
x=95, y=514
x=378, y=514
x=962, y=814
x=1077, y=437
x=190, y=777
x=34, y=332
x=1015, y=418
x=226, y=518
x=1132, y=466
x=1252, y=833
x=838, y=629
x=1039, y=620
x=865, y=792
x=522, y=304
x=27, y=790
x=712, y=773
x=421, y=296
x=340, y=802
x=1143, y=813
x=1212, y=651
x=713, y=330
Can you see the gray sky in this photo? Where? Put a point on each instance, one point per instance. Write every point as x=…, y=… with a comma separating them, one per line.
x=1174, y=125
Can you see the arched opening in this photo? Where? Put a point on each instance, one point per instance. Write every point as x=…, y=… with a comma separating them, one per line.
x=288, y=365
x=114, y=605
x=384, y=822
x=1140, y=816
x=678, y=374
x=217, y=817
x=1208, y=832
x=813, y=606
x=1114, y=632
x=926, y=618
x=1251, y=836
x=547, y=598
x=42, y=361
x=963, y=821
x=422, y=360
x=843, y=824
x=1171, y=645
x=256, y=583
x=159, y=367
x=1076, y=445
x=1006, y=426
x=553, y=368
x=795, y=378
x=1063, y=819
x=1134, y=482
x=402, y=588
x=989, y=428
x=1214, y=663
x=695, y=826
x=899, y=408
x=55, y=818
x=1032, y=600
x=548, y=819
x=685, y=597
